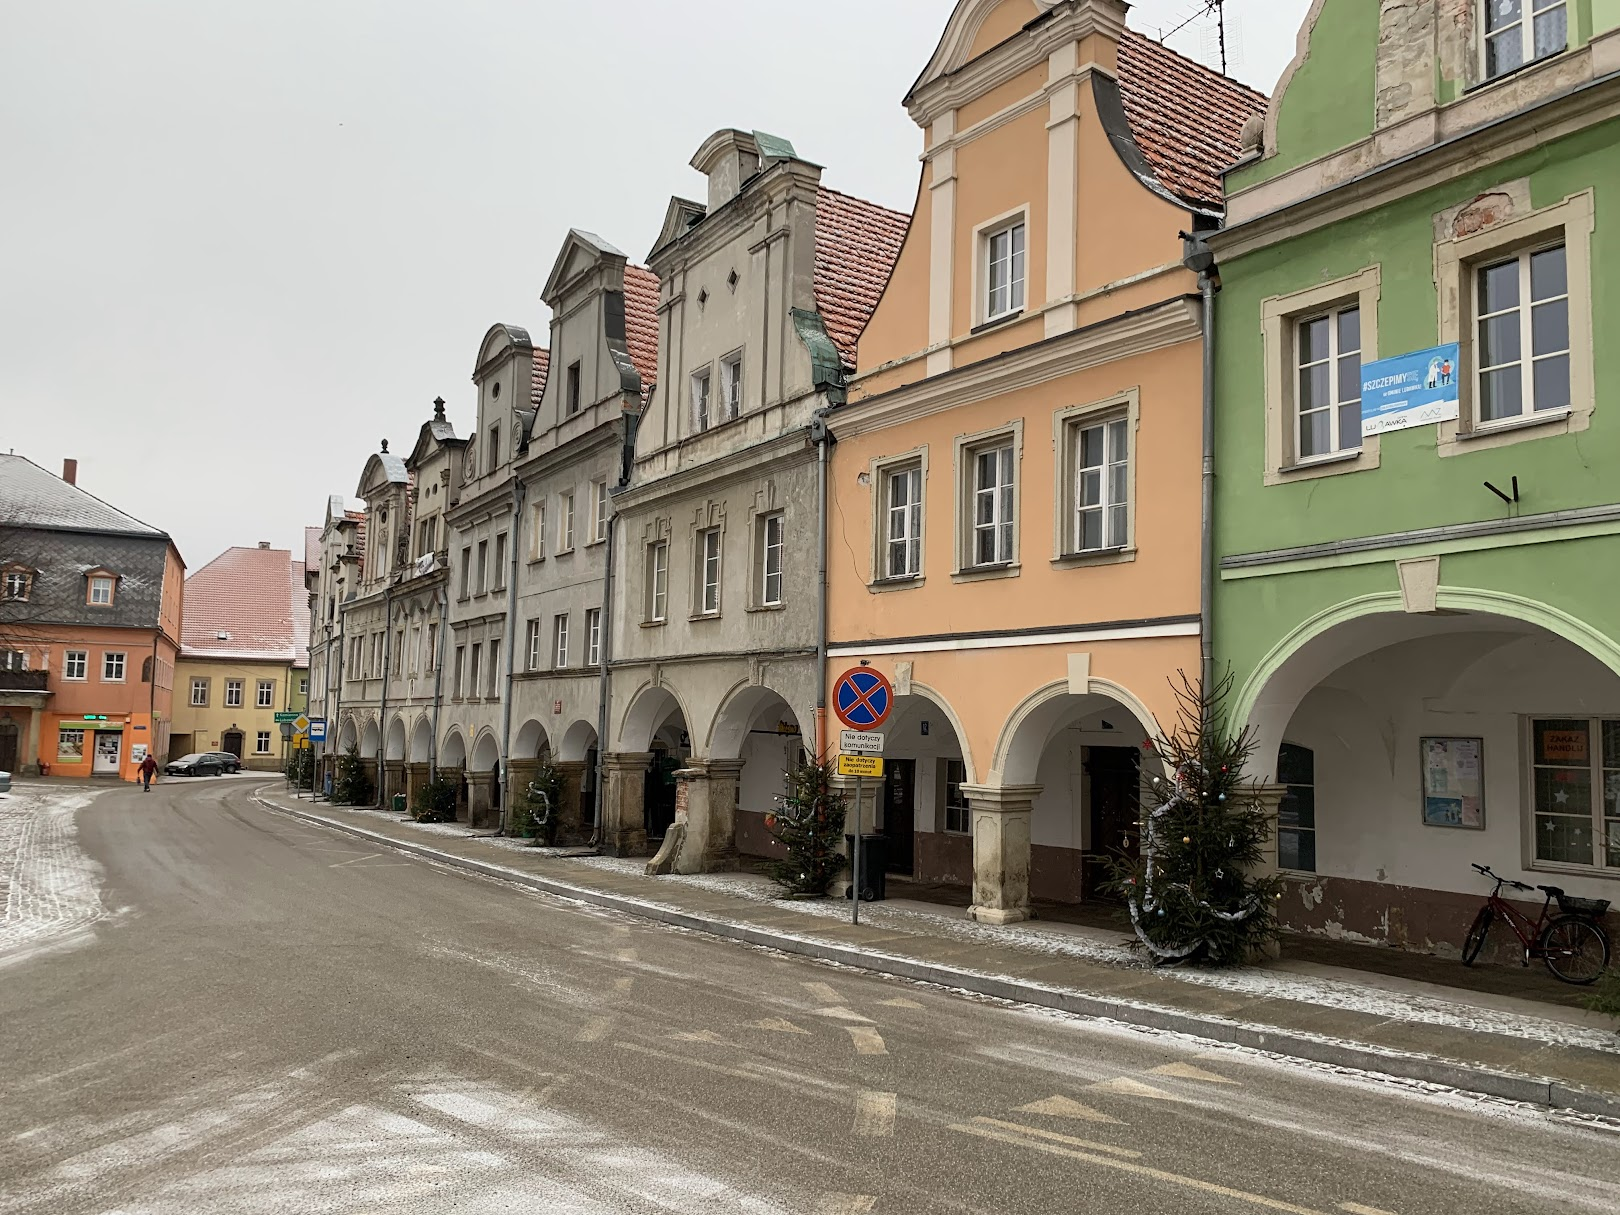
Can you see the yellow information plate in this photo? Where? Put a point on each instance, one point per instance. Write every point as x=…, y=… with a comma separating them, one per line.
x=860, y=765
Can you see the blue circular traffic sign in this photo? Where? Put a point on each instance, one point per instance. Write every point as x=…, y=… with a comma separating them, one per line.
x=862, y=698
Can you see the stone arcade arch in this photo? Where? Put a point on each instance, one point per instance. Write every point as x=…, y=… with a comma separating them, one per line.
x=920, y=806
x=453, y=766
x=484, y=782
x=654, y=742
x=755, y=739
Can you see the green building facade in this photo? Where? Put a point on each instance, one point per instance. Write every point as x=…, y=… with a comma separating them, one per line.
x=1423, y=625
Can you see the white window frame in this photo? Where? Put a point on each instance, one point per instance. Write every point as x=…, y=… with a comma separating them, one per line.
x=481, y=567
x=235, y=693
x=593, y=637
x=1600, y=764
x=772, y=559
x=969, y=448
x=914, y=467
x=1456, y=261
x=431, y=661
x=965, y=809
x=986, y=237
x=500, y=562
x=79, y=659
x=1338, y=448
x=114, y=666
x=559, y=642
x=658, y=582
x=702, y=383
x=537, y=521
x=475, y=670
x=460, y=671
x=264, y=694
x=599, y=501
x=1525, y=310
x=731, y=387
x=100, y=582
x=532, y=642
x=565, y=522
x=1527, y=37
x=1069, y=425
x=709, y=550
x=199, y=692
x=18, y=585
x=261, y=742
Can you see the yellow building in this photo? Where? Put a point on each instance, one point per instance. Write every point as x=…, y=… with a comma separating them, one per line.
x=244, y=656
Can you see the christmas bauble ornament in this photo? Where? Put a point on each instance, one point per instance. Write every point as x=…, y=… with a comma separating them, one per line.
x=1186, y=839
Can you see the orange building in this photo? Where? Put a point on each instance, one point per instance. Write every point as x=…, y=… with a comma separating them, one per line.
x=90, y=608
x=1015, y=521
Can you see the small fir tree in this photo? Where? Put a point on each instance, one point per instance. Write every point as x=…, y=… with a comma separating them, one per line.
x=810, y=825
x=352, y=785
x=536, y=816
x=435, y=802
x=1192, y=894
x=301, y=769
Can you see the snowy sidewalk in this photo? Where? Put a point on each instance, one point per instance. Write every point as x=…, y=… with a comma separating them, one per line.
x=1508, y=1047
x=48, y=886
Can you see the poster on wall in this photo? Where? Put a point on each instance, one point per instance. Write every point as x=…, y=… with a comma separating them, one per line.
x=1454, y=782
x=1416, y=389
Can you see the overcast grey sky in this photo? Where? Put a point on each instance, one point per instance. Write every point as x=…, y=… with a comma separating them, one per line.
x=242, y=242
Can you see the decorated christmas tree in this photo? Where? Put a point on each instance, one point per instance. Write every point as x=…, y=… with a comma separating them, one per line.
x=809, y=823
x=1193, y=895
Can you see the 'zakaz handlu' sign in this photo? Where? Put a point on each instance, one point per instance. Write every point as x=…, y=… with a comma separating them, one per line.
x=1415, y=389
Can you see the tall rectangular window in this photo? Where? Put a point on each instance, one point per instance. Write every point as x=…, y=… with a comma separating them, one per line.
x=460, y=670
x=593, y=637
x=1328, y=364
x=537, y=530
x=771, y=551
x=993, y=506
x=904, y=517
x=559, y=642
x=494, y=448
x=432, y=648
x=500, y=561
x=1296, y=811
x=532, y=645
x=101, y=591
x=1522, y=355
x=708, y=553
x=1102, y=486
x=731, y=382
x=565, y=522
x=233, y=693
x=75, y=664
x=658, y=582
x=958, y=820
x=1005, y=264
x=199, y=692
x=265, y=694
x=466, y=572
x=1575, y=794
x=475, y=670
x=1521, y=31
x=399, y=653
x=599, y=499
x=700, y=401
x=17, y=584
x=483, y=566
x=495, y=671
x=261, y=743
x=573, y=388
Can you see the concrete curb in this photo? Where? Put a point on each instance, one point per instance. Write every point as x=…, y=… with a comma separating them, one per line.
x=1334, y=1052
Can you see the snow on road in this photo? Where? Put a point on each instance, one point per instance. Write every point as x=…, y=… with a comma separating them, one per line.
x=49, y=888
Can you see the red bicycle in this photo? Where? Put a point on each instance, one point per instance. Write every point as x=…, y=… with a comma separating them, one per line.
x=1572, y=943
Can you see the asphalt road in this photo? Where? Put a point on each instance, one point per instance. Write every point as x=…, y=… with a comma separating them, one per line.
x=264, y=1016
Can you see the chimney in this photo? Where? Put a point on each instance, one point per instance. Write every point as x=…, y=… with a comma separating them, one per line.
x=70, y=471
x=264, y=544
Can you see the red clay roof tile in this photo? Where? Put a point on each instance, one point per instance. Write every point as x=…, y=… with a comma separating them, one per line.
x=641, y=323
x=537, y=377
x=857, y=243
x=253, y=596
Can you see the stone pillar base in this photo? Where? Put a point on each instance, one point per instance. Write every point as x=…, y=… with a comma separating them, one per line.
x=1001, y=817
x=623, y=817
x=570, y=820
x=481, y=811
x=706, y=803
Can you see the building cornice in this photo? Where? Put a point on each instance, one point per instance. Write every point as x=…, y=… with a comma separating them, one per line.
x=1142, y=331
x=781, y=450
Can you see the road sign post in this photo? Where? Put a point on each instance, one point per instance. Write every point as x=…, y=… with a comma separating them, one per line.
x=862, y=699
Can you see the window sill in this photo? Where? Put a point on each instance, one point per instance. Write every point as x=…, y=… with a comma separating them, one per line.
x=540, y=560
x=1571, y=870
x=768, y=607
x=697, y=616
x=1550, y=417
x=1305, y=466
x=995, y=322
x=563, y=552
x=903, y=583
x=653, y=624
x=987, y=573
x=596, y=543
x=1524, y=67
x=1102, y=556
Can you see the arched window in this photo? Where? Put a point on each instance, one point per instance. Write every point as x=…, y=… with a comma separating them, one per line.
x=1296, y=813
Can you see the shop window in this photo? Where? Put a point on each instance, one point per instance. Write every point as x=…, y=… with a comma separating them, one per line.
x=1296, y=812
x=1575, y=791
x=70, y=746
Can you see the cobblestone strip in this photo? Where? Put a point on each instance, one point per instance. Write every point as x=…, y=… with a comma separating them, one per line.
x=48, y=886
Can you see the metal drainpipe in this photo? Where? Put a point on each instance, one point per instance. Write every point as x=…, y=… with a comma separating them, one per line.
x=518, y=494
x=820, y=435
x=1206, y=551
x=438, y=672
x=335, y=722
x=382, y=704
x=605, y=652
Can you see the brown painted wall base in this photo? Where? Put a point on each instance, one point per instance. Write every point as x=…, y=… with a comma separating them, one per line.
x=1406, y=917
x=753, y=839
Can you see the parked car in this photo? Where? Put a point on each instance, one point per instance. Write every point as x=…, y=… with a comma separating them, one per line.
x=231, y=762
x=198, y=764
x=5, y=782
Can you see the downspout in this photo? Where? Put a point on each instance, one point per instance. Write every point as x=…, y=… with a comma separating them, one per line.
x=438, y=675
x=821, y=436
x=1198, y=258
x=518, y=494
x=382, y=704
x=335, y=722
x=631, y=421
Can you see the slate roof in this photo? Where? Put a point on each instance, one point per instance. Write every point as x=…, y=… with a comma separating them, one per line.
x=641, y=322
x=857, y=243
x=257, y=597
x=32, y=497
x=537, y=377
x=1186, y=118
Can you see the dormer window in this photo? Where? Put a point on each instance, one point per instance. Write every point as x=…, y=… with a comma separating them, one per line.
x=100, y=589
x=17, y=584
x=1521, y=31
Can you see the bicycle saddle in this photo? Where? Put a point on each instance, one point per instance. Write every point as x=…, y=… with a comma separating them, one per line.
x=1553, y=891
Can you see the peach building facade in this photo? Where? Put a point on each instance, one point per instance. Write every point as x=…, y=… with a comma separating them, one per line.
x=1015, y=520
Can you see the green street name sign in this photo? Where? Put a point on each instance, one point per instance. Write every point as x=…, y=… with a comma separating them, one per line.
x=293, y=715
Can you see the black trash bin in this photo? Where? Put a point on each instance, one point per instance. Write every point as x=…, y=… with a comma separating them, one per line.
x=874, y=875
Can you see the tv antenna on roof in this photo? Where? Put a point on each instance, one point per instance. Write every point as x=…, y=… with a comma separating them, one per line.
x=1206, y=8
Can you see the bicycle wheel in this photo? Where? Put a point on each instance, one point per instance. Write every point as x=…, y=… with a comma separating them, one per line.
x=1574, y=949
x=1475, y=940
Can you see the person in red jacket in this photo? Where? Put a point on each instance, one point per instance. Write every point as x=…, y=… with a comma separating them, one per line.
x=148, y=769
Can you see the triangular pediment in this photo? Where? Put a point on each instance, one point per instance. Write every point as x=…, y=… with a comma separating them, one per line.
x=682, y=214
x=581, y=253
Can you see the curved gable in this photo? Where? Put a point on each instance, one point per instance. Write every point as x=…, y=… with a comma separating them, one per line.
x=500, y=341
x=975, y=27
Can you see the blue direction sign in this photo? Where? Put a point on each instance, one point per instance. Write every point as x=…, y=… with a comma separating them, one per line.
x=862, y=698
x=317, y=729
